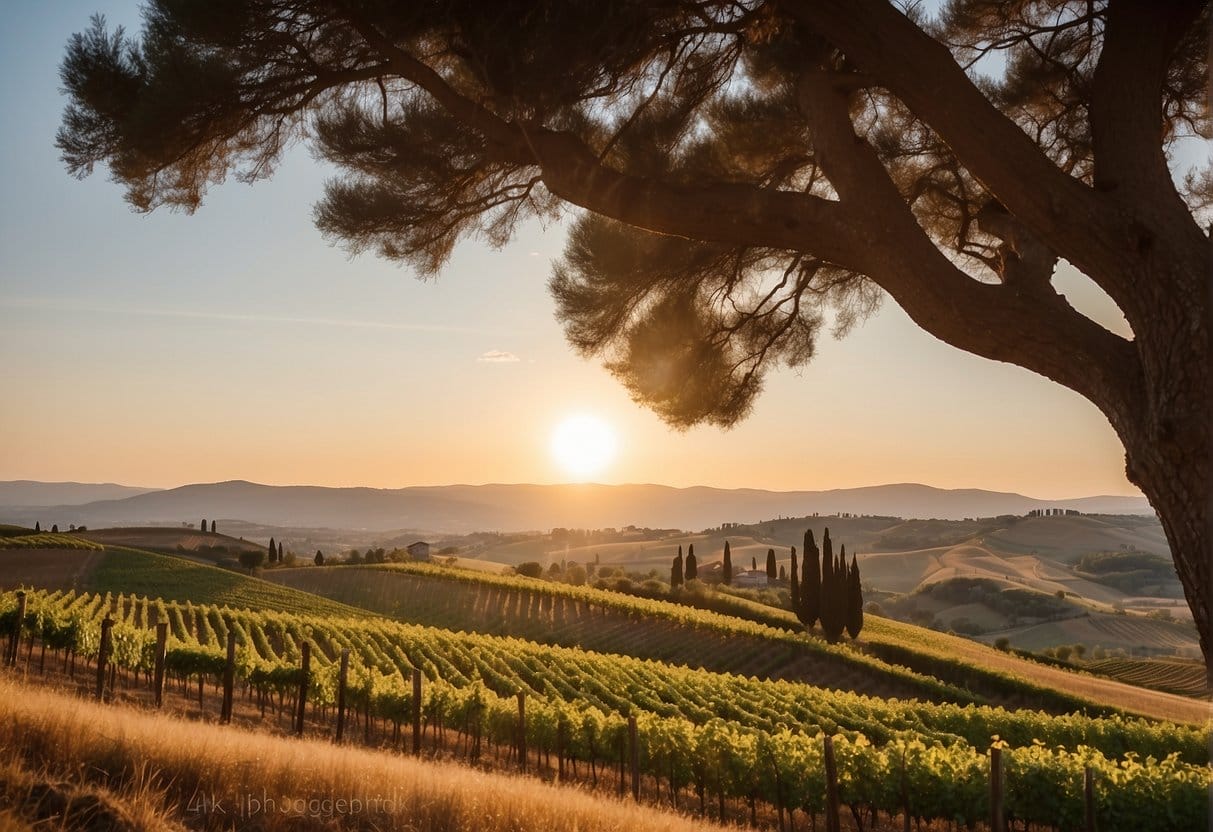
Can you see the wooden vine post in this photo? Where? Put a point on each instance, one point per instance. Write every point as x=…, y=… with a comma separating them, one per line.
x=560, y=743
x=416, y=704
x=103, y=654
x=14, y=638
x=521, y=731
x=158, y=672
x=833, y=822
x=229, y=678
x=905, y=796
x=634, y=756
x=998, y=818
x=342, y=676
x=305, y=672
x=1088, y=799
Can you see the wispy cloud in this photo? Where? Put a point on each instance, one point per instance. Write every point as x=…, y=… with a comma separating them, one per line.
x=62, y=305
x=498, y=357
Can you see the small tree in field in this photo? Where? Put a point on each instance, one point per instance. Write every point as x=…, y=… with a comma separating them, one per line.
x=252, y=559
x=319, y=559
x=726, y=572
x=203, y=524
x=212, y=527
x=691, y=572
x=273, y=551
x=676, y=570
x=772, y=566
x=37, y=527
x=280, y=551
x=55, y=529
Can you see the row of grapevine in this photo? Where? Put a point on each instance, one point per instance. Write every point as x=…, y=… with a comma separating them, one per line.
x=714, y=734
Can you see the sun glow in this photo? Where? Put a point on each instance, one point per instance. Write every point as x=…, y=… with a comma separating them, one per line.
x=583, y=445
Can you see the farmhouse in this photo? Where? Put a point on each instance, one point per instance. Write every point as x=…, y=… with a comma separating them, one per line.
x=419, y=550
x=750, y=578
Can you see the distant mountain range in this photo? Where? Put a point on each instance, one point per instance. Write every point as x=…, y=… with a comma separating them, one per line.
x=32, y=493
x=466, y=508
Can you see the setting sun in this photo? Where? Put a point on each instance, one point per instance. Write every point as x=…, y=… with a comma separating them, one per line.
x=583, y=445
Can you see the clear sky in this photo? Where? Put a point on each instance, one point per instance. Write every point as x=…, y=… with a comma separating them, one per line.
x=164, y=349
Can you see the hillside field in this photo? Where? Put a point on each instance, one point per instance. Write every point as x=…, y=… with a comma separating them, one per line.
x=131, y=571
x=515, y=606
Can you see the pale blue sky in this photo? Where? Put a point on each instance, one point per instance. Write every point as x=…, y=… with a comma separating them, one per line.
x=163, y=349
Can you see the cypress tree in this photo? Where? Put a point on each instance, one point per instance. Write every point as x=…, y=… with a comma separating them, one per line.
x=676, y=570
x=203, y=524
x=726, y=574
x=692, y=568
x=831, y=621
x=55, y=529
x=280, y=551
x=319, y=559
x=273, y=551
x=783, y=572
x=854, y=600
x=772, y=566
x=37, y=526
x=212, y=527
x=810, y=581
x=794, y=586
x=753, y=563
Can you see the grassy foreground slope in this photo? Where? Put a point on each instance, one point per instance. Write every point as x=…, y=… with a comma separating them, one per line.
x=608, y=622
x=96, y=568
x=166, y=765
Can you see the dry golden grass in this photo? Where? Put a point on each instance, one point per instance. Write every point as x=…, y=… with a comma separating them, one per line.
x=174, y=771
x=39, y=800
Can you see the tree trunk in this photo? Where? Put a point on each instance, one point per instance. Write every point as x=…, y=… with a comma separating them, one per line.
x=1174, y=476
x=1168, y=437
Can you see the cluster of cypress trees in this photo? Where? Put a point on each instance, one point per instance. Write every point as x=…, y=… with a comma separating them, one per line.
x=275, y=552
x=829, y=591
x=680, y=572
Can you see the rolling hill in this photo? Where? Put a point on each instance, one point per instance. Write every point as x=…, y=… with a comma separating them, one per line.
x=131, y=571
x=30, y=493
x=466, y=508
x=173, y=540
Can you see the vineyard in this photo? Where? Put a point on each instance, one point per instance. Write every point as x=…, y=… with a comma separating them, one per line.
x=700, y=737
x=893, y=659
x=48, y=540
x=1186, y=678
x=49, y=559
x=609, y=622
